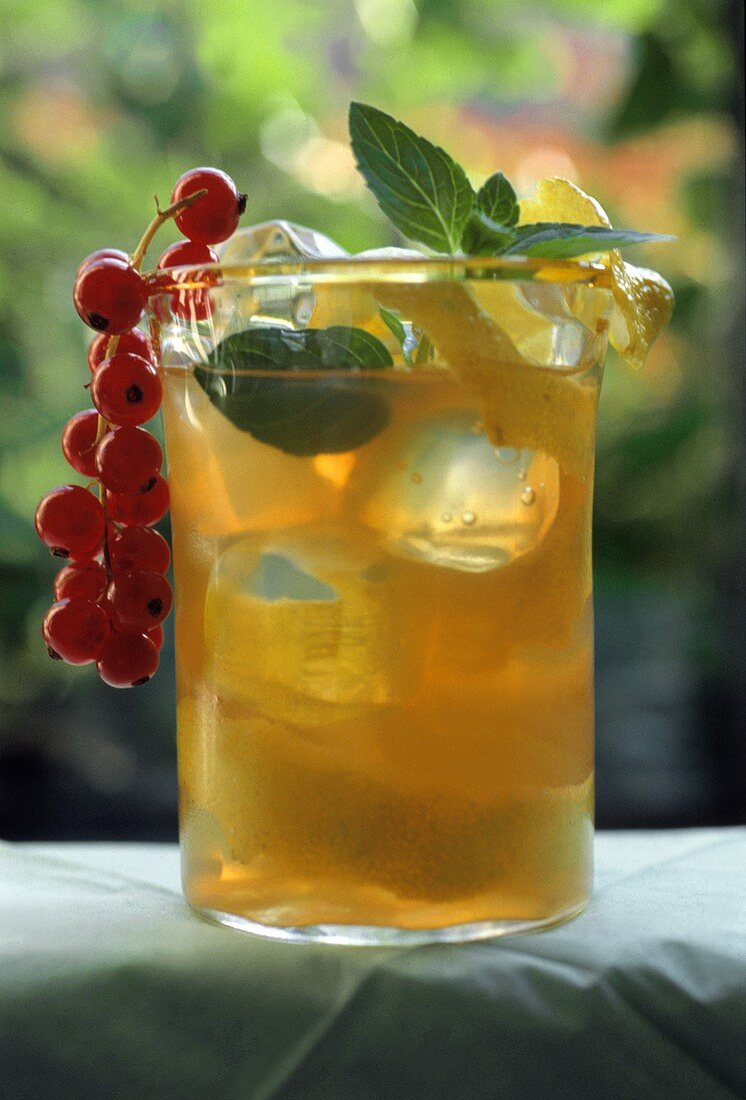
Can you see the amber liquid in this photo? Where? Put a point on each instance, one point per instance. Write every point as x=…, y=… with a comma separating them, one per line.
x=385, y=705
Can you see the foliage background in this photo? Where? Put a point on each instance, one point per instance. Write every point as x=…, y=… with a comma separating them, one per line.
x=102, y=104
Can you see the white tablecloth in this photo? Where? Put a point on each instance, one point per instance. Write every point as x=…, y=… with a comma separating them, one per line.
x=110, y=987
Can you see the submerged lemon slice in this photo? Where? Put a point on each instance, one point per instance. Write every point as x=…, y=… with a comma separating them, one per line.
x=643, y=300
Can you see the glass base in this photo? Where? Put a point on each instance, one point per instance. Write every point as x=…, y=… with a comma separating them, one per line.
x=360, y=935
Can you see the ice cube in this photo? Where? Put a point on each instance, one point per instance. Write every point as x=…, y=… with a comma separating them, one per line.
x=545, y=323
x=293, y=301
x=448, y=497
x=298, y=302
x=301, y=625
x=390, y=253
x=278, y=240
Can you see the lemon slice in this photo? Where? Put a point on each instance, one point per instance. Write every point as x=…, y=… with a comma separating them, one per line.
x=521, y=405
x=643, y=300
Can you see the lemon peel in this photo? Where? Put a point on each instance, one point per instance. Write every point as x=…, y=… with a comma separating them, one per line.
x=522, y=405
x=643, y=300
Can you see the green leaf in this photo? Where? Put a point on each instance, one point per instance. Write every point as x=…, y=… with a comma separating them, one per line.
x=417, y=184
x=484, y=237
x=496, y=198
x=299, y=415
x=561, y=241
x=273, y=347
x=393, y=323
x=397, y=328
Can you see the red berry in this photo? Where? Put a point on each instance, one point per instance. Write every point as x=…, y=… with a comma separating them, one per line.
x=169, y=298
x=214, y=216
x=187, y=254
x=156, y=636
x=75, y=630
x=79, y=442
x=83, y=579
x=140, y=509
x=128, y=459
x=102, y=254
x=110, y=295
x=138, y=548
x=70, y=521
x=190, y=302
x=126, y=389
x=127, y=659
x=133, y=341
x=105, y=603
x=140, y=599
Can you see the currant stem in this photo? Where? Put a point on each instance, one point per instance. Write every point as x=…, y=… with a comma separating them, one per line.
x=161, y=217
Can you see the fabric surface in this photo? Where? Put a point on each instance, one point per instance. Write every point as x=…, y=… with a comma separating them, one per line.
x=110, y=987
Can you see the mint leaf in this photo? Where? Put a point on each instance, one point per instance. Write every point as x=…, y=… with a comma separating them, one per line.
x=417, y=184
x=496, y=198
x=341, y=348
x=273, y=347
x=562, y=241
x=300, y=416
x=395, y=326
x=393, y=323
x=484, y=237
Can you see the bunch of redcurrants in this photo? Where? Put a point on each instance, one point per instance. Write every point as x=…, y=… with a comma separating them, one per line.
x=113, y=596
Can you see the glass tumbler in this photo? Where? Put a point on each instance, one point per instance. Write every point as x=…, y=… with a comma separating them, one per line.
x=381, y=480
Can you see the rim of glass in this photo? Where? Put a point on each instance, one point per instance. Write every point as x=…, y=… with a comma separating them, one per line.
x=354, y=269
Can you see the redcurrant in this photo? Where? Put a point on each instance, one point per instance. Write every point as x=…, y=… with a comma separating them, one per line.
x=79, y=442
x=134, y=341
x=140, y=599
x=156, y=636
x=190, y=302
x=127, y=659
x=140, y=509
x=75, y=630
x=70, y=521
x=138, y=548
x=82, y=579
x=126, y=389
x=187, y=254
x=128, y=459
x=105, y=602
x=102, y=254
x=110, y=295
x=214, y=216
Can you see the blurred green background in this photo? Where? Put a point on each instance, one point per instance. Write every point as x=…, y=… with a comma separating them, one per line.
x=104, y=104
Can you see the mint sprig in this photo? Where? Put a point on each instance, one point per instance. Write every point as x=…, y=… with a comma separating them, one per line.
x=417, y=184
x=428, y=197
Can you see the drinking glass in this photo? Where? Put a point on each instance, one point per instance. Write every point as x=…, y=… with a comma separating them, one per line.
x=381, y=482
